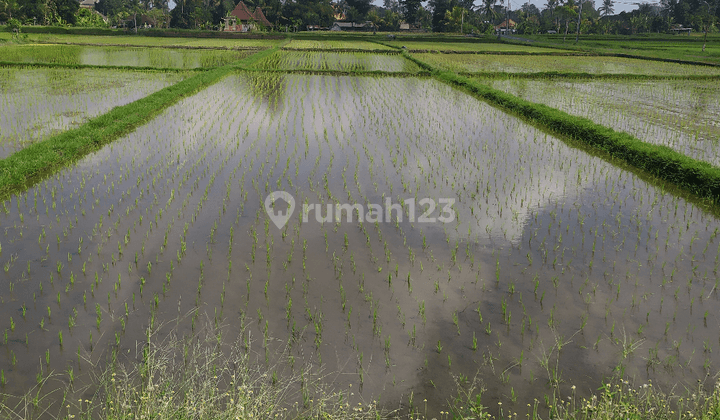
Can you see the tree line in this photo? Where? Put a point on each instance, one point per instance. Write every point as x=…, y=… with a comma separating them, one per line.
x=467, y=16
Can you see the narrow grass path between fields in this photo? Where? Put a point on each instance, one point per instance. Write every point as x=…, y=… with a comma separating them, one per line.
x=25, y=167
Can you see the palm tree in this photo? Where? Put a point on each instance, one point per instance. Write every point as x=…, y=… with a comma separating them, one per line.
x=551, y=4
x=607, y=8
x=488, y=9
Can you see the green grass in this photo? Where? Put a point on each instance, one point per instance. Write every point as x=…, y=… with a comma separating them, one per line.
x=194, y=376
x=612, y=401
x=180, y=376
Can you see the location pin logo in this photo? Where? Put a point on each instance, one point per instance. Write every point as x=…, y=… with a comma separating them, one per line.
x=279, y=217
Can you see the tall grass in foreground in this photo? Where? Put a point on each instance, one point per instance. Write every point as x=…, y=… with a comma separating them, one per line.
x=205, y=376
x=197, y=376
x=614, y=401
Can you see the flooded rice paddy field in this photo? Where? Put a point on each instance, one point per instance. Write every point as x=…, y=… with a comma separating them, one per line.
x=683, y=115
x=38, y=103
x=119, y=56
x=564, y=64
x=337, y=61
x=558, y=269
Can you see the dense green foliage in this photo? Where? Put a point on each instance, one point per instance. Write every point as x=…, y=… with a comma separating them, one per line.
x=438, y=15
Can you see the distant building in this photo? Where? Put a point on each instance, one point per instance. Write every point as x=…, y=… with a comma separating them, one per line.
x=242, y=20
x=404, y=26
x=503, y=27
x=679, y=29
x=88, y=4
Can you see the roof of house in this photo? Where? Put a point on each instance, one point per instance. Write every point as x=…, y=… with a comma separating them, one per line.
x=259, y=16
x=503, y=24
x=241, y=12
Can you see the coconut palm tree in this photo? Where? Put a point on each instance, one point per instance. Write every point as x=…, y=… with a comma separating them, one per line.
x=607, y=8
x=488, y=9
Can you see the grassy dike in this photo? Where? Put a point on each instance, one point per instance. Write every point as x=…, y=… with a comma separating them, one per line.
x=697, y=177
x=25, y=166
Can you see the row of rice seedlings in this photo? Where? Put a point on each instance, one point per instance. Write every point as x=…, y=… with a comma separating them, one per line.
x=159, y=214
x=342, y=61
x=37, y=103
x=119, y=56
x=680, y=115
x=564, y=64
x=335, y=45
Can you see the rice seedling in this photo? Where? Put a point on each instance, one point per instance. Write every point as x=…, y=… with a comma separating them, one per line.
x=303, y=44
x=336, y=61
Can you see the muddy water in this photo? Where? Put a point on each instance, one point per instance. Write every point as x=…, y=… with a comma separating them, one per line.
x=681, y=115
x=37, y=103
x=550, y=248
